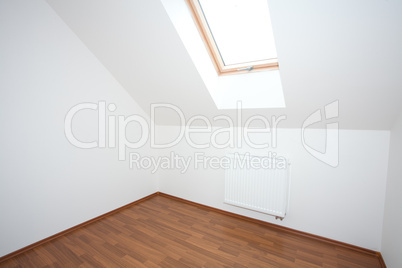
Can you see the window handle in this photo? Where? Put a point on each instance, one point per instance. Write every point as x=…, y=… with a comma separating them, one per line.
x=246, y=69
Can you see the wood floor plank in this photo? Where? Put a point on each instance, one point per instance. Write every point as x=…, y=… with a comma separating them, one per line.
x=164, y=232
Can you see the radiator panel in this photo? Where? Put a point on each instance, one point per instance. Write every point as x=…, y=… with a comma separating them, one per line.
x=262, y=189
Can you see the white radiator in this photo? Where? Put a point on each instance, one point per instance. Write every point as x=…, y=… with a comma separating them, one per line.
x=262, y=188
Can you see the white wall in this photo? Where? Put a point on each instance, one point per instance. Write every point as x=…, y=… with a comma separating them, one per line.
x=343, y=203
x=46, y=184
x=392, y=233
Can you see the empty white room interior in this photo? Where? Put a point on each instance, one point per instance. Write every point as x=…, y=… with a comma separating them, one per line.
x=140, y=56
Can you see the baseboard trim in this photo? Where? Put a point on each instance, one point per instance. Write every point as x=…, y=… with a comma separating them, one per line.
x=267, y=224
x=381, y=260
x=50, y=238
x=285, y=229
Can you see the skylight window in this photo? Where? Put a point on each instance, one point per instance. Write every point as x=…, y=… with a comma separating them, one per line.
x=237, y=33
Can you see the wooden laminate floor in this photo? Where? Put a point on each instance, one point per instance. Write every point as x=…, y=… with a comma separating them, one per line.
x=163, y=232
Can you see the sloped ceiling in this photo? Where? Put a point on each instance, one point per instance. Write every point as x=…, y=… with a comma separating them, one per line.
x=328, y=50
